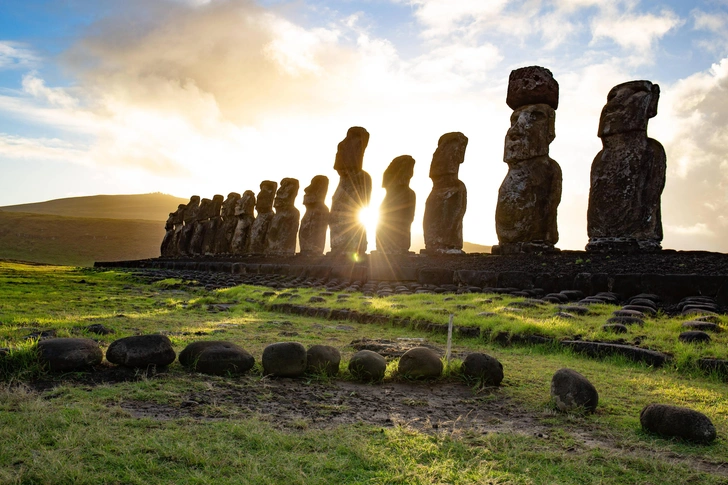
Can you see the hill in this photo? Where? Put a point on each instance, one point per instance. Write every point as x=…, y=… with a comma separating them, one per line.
x=151, y=207
x=76, y=241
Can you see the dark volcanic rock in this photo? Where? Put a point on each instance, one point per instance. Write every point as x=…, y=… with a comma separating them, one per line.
x=679, y=422
x=283, y=230
x=398, y=207
x=615, y=328
x=366, y=365
x=315, y=222
x=244, y=219
x=323, y=359
x=141, y=351
x=226, y=228
x=264, y=207
x=702, y=326
x=420, y=362
x=216, y=358
x=572, y=391
x=532, y=85
x=484, y=367
x=69, y=354
x=284, y=359
x=694, y=337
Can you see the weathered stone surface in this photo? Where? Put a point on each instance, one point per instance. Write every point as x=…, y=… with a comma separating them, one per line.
x=572, y=391
x=366, y=365
x=183, y=236
x=211, y=225
x=694, y=337
x=628, y=175
x=264, y=206
x=348, y=234
x=315, y=222
x=284, y=359
x=674, y=421
x=174, y=222
x=615, y=328
x=202, y=214
x=398, y=207
x=702, y=326
x=532, y=85
x=216, y=357
x=226, y=228
x=601, y=349
x=69, y=354
x=141, y=351
x=484, y=367
x=420, y=362
x=245, y=217
x=446, y=204
x=323, y=359
x=283, y=230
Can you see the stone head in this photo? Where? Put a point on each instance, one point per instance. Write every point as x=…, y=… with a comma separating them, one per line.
x=179, y=214
x=399, y=172
x=350, y=152
x=629, y=106
x=287, y=193
x=204, y=210
x=316, y=192
x=532, y=85
x=228, y=207
x=246, y=204
x=448, y=156
x=192, y=208
x=216, y=205
x=532, y=130
x=265, y=196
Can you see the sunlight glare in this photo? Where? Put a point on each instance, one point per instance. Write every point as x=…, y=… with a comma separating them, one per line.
x=369, y=217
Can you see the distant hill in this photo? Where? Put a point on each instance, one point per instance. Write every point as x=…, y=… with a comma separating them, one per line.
x=151, y=207
x=76, y=241
x=418, y=242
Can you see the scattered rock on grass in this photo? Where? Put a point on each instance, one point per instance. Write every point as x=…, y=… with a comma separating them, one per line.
x=216, y=357
x=675, y=421
x=572, y=391
x=366, y=365
x=703, y=326
x=141, y=351
x=323, y=359
x=694, y=337
x=420, y=362
x=615, y=328
x=69, y=354
x=484, y=367
x=284, y=359
x=99, y=329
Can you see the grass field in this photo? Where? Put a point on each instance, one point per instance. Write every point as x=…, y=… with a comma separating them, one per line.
x=181, y=427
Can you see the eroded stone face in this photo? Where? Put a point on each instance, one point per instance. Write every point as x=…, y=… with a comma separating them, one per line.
x=264, y=206
x=448, y=156
x=629, y=107
x=226, y=229
x=532, y=131
x=350, y=151
x=244, y=213
x=283, y=230
x=398, y=207
x=315, y=222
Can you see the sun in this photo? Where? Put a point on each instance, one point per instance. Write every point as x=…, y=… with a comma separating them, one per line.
x=369, y=217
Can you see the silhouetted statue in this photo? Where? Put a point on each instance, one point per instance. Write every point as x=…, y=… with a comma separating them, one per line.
x=264, y=206
x=628, y=175
x=168, y=248
x=446, y=205
x=398, y=207
x=348, y=234
x=212, y=225
x=315, y=222
x=283, y=230
x=528, y=199
x=226, y=229
x=245, y=217
x=187, y=231
x=198, y=232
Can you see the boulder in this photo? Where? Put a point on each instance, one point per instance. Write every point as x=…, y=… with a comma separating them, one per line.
x=679, y=422
x=323, y=359
x=284, y=359
x=216, y=357
x=694, y=337
x=484, y=367
x=69, y=354
x=572, y=391
x=366, y=365
x=420, y=362
x=141, y=351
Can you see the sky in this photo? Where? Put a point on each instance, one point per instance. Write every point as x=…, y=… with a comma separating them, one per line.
x=212, y=96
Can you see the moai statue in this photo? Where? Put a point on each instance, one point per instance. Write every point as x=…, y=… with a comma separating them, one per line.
x=245, y=216
x=264, y=206
x=283, y=230
x=170, y=242
x=528, y=199
x=398, y=207
x=212, y=225
x=628, y=175
x=198, y=231
x=348, y=234
x=184, y=236
x=166, y=249
x=445, y=207
x=226, y=229
x=315, y=222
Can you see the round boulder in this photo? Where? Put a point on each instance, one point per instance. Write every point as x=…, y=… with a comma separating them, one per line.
x=216, y=357
x=141, y=351
x=366, y=365
x=614, y=328
x=484, y=367
x=694, y=337
x=572, y=391
x=420, y=363
x=284, y=359
x=675, y=421
x=69, y=354
x=323, y=359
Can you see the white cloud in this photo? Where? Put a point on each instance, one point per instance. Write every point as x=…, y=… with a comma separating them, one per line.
x=21, y=148
x=15, y=55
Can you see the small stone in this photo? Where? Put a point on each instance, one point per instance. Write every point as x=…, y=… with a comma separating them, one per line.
x=99, y=329
x=614, y=328
x=216, y=357
x=484, y=367
x=567, y=316
x=284, y=359
x=694, y=337
x=626, y=320
x=640, y=308
x=69, y=354
x=680, y=422
x=317, y=299
x=628, y=313
x=420, y=362
x=703, y=326
x=141, y=351
x=323, y=359
x=575, y=309
x=366, y=365
x=572, y=391
x=643, y=302
x=696, y=311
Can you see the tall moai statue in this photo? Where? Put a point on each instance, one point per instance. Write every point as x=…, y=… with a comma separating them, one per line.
x=446, y=205
x=628, y=175
x=264, y=206
x=348, y=234
x=315, y=222
x=184, y=236
x=226, y=229
x=212, y=225
x=245, y=216
x=529, y=197
x=283, y=230
x=398, y=207
x=174, y=220
x=198, y=231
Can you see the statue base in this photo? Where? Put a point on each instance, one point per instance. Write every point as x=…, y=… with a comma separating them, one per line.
x=442, y=252
x=622, y=245
x=532, y=247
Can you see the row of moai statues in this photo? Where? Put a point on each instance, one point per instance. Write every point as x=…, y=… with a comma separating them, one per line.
x=627, y=179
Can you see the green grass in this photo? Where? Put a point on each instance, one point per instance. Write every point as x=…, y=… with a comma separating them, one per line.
x=68, y=431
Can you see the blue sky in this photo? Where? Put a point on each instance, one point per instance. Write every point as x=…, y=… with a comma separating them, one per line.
x=213, y=96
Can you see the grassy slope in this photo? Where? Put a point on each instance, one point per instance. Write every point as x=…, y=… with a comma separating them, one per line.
x=75, y=240
x=82, y=434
